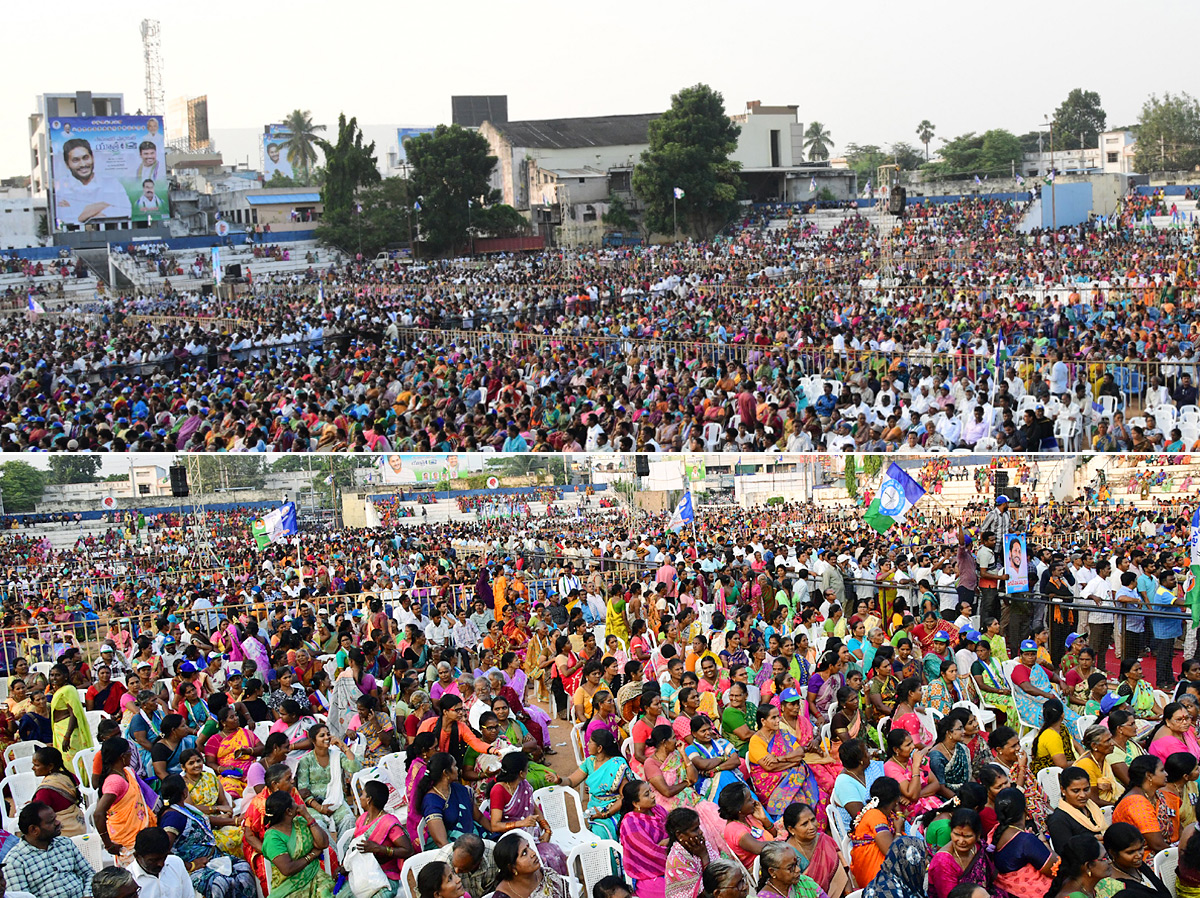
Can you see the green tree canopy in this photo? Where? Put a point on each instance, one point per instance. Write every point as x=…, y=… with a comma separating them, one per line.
x=689, y=149
x=74, y=468
x=865, y=159
x=817, y=141
x=1168, y=134
x=618, y=217
x=22, y=485
x=349, y=164
x=387, y=217
x=300, y=144
x=906, y=156
x=451, y=168
x=208, y=472
x=991, y=153
x=499, y=220
x=1080, y=113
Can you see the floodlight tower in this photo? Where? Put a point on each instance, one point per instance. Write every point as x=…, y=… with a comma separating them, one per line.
x=152, y=51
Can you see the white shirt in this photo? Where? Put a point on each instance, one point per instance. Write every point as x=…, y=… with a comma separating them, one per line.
x=1102, y=588
x=436, y=634
x=72, y=196
x=172, y=881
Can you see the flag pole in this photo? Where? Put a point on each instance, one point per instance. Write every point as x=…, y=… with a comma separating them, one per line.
x=674, y=217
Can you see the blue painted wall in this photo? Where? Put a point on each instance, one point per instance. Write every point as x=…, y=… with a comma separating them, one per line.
x=1072, y=204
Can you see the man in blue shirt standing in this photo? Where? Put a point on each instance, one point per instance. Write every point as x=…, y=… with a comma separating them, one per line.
x=1164, y=630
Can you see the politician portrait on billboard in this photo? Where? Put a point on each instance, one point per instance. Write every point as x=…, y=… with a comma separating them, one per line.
x=108, y=169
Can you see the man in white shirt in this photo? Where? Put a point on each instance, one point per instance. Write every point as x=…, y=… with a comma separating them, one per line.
x=1099, y=591
x=82, y=195
x=157, y=871
x=437, y=633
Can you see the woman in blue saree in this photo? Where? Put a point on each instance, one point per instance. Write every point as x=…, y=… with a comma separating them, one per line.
x=192, y=839
x=604, y=770
x=448, y=808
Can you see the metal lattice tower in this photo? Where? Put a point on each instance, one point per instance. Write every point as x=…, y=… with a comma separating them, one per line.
x=152, y=51
x=887, y=177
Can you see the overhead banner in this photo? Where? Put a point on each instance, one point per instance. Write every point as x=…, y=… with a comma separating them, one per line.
x=275, y=152
x=107, y=169
x=415, y=468
x=1016, y=564
x=402, y=135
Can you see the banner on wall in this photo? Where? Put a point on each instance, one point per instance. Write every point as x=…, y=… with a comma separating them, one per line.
x=414, y=468
x=106, y=169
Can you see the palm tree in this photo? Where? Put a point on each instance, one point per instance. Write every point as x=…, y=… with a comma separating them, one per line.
x=925, y=134
x=300, y=143
x=817, y=141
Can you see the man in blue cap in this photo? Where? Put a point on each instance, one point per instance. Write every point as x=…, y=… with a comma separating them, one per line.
x=997, y=520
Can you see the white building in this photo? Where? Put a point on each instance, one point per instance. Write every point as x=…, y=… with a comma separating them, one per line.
x=148, y=481
x=1065, y=162
x=1117, y=149
x=19, y=215
x=771, y=152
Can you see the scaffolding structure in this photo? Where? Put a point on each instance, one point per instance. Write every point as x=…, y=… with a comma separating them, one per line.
x=152, y=51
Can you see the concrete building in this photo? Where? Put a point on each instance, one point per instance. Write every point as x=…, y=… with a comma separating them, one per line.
x=284, y=209
x=1066, y=162
x=148, y=481
x=771, y=152
x=528, y=152
x=19, y=217
x=1117, y=149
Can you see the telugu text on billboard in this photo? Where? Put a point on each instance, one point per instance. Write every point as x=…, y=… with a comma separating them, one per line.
x=108, y=168
x=275, y=152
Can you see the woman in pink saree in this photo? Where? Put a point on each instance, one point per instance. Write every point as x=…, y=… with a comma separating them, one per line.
x=644, y=839
x=1176, y=734
x=419, y=750
x=918, y=791
x=671, y=776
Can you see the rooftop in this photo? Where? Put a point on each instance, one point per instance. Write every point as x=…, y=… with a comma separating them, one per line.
x=593, y=131
x=255, y=199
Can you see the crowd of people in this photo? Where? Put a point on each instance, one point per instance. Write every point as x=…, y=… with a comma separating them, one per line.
x=783, y=701
x=951, y=330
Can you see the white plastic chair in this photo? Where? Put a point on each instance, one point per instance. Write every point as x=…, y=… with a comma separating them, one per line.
x=1083, y=723
x=19, y=766
x=94, y=718
x=42, y=668
x=93, y=850
x=83, y=762
x=262, y=730
x=590, y=862
x=1165, y=863
x=985, y=717
x=358, y=781
x=838, y=830
x=21, y=748
x=1027, y=743
x=557, y=803
x=627, y=748
x=22, y=787
x=412, y=868
x=1048, y=779
x=578, y=745
x=1108, y=814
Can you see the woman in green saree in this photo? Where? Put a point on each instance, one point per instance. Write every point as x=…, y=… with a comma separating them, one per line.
x=293, y=844
x=70, y=726
x=321, y=777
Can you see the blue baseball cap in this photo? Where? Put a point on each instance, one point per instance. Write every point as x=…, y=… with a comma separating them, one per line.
x=789, y=695
x=1072, y=638
x=942, y=636
x=1110, y=701
x=1028, y=646
x=973, y=635
x=1003, y=498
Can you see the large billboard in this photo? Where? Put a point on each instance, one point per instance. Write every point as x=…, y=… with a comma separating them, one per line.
x=275, y=152
x=411, y=468
x=402, y=135
x=108, y=169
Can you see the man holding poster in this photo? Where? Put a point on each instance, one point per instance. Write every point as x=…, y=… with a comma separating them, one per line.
x=1015, y=564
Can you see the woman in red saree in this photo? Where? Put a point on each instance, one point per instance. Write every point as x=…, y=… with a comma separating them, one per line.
x=818, y=852
x=230, y=751
x=644, y=839
x=382, y=833
x=279, y=778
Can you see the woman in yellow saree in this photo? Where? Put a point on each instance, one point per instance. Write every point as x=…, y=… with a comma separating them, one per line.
x=70, y=726
x=230, y=751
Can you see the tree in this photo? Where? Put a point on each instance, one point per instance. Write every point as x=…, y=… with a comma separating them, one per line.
x=499, y=220
x=300, y=143
x=349, y=164
x=209, y=472
x=991, y=153
x=1168, y=137
x=817, y=141
x=1080, y=113
x=925, y=132
x=22, y=485
x=382, y=215
x=279, y=180
x=73, y=469
x=618, y=218
x=865, y=160
x=905, y=155
x=689, y=150
x=451, y=171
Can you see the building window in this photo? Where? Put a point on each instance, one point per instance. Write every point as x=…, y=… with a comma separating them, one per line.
x=1112, y=157
x=143, y=489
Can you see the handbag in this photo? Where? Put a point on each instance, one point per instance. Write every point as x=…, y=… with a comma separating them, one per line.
x=366, y=875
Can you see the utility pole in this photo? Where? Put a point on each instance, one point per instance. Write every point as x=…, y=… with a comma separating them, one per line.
x=1162, y=152
x=1053, y=205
